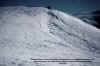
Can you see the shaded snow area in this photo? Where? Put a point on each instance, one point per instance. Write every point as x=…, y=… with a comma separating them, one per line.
x=37, y=32
x=91, y=18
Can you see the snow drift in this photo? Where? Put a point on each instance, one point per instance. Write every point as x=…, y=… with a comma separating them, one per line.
x=37, y=32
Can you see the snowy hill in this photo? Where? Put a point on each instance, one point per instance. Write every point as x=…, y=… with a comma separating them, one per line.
x=37, y=32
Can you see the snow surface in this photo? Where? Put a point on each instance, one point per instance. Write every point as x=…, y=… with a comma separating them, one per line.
x=88, y=18
x=37, y=32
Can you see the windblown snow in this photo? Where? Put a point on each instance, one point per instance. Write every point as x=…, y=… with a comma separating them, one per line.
x=37, y=32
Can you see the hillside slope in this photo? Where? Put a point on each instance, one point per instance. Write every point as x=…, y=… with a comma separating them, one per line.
x=37, y=32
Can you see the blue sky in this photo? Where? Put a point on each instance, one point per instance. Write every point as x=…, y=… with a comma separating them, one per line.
x=69, y=6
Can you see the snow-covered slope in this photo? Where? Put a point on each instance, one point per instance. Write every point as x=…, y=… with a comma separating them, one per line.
x=37, y=32
x=90, y=18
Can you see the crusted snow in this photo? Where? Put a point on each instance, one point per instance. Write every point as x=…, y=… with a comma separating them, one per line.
x=36, y=32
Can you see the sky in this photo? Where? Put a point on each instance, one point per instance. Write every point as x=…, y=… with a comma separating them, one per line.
x=68, y=6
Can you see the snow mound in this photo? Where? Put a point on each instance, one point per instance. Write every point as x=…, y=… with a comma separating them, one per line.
x=37, y=32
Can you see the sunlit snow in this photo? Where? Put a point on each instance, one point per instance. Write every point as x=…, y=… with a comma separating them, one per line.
x=37, y=32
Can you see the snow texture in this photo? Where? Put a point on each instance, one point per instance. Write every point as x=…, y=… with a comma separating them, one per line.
x=37, y=32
